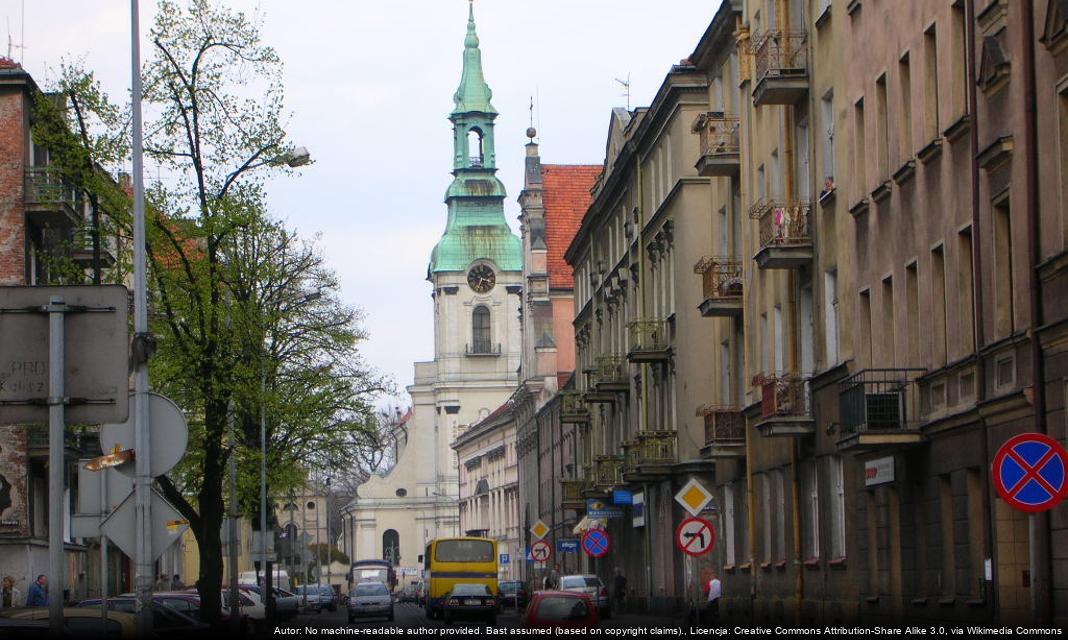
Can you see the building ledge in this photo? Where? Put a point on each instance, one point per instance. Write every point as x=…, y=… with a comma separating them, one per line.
x=882, y=192
x=905, y=172
x=859, y=208
x=930, y=151
x=958, y=128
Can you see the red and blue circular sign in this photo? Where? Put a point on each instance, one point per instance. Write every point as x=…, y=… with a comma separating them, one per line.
x=1031, y=472
x=595, y=542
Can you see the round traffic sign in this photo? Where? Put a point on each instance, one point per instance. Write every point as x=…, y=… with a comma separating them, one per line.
x=541, y=551
x=168, y=435
x=695, y=536
x=596, y=542
x=1031, y=472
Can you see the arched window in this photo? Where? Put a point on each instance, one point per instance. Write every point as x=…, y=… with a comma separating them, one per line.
x=474, y=147
x=391, y=546
x=480, y=330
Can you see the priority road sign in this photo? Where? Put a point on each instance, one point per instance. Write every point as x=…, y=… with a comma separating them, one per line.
x=1031, y=472
x=596, y=542
x=540, y=530
x=695, y=536
x=693, y=497
x=541, y=551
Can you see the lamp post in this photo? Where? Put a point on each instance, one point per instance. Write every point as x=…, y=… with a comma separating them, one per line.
x=330, y=546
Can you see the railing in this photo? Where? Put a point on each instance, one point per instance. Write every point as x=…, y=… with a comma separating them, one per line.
x=572, y=405
x=781, y=223
x=571, y=489
x=631, y=459
x=780, y=53
x=722, y=424
x=483, y=349
x=721, y=277
x=719, y=133
x=785, y=395
x=607, y=471
x=879, y=400
x=610, y=370
x=44, y=185
x=648, y=335
x=656, y=447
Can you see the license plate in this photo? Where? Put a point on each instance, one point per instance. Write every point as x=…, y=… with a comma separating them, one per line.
x=473, y=602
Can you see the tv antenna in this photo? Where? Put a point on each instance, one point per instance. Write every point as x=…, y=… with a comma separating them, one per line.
x=626, y=89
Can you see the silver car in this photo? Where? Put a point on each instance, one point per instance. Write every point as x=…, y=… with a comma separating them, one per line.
x=370, y=599
x=592, y=585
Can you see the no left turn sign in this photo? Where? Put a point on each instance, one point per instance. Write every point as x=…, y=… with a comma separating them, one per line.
x=540, y=551
x=695, y=536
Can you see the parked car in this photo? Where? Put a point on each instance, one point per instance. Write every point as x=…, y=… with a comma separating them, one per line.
x=467, y=601
x=287, y=605
x=23, y=628
x=370, y=599
x=591, y=585
x=78, y=623
x=166, y=622
x=309, y=597
x=514, y=593
x=566, y=609
x=327, y=597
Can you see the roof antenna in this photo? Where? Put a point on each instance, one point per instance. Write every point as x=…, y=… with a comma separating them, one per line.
x=626, y=88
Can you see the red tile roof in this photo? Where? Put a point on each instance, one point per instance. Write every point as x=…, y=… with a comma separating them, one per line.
x=566, y=197
x=8, y=63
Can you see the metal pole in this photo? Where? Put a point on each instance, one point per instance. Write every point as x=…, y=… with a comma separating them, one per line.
x=318, y=544
x=329, y=541
x=142, y=444
x=263, y=489
x=104, y=548
x=235, y=602
x=56, y=366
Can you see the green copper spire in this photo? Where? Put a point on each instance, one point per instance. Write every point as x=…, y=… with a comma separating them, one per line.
x=476, y=228
x=474, y=94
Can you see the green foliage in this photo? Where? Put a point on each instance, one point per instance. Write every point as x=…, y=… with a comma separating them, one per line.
x=320, y=551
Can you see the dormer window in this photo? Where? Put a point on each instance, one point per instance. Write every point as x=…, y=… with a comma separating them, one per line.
x=474, y=148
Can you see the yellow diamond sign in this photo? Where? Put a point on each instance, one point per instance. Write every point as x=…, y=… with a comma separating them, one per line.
x=693, y=497
x=540, y=530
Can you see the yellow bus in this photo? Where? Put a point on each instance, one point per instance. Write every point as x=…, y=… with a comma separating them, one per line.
x=451, y=561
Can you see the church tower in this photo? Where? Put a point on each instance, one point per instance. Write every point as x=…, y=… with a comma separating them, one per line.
x=476, y=273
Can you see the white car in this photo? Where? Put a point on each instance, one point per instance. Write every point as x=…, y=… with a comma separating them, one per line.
x=592, y=585
x=370, y=599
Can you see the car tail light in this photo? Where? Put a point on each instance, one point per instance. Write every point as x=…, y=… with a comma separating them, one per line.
x=454, y=602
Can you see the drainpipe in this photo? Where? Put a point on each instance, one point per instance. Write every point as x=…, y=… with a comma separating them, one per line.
x=1041, y=559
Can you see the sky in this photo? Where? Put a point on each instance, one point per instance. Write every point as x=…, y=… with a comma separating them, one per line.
x=369, y=87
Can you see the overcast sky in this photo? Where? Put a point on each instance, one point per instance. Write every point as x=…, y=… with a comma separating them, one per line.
x=370, y=84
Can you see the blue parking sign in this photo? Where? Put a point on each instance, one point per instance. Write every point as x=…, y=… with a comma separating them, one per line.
x=506, y=558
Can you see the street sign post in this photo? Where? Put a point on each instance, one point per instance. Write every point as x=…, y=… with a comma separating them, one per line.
x=1030, y=472
x=541, y=551
x=596, y=543
x=695, y=536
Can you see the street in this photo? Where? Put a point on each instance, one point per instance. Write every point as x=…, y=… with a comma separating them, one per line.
x=407, y=616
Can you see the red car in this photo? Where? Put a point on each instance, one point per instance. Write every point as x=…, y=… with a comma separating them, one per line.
x=567, y=609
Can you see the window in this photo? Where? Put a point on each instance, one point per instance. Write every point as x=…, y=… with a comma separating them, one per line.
x=882, y=124
x=977, y=532
x=474, y=147
x=725, y=373
x=780, y=514
x=938, y=305
x=775, y=186
x=481, y=330
x=889, y=338
x=932, y=130
x=391, y=546
x=804, y=186
x=865, y=328
x=765, y=363
x=765, y=504
x=960, y=64
x=913, y=302
x=728, y=524
x=780, y=341
x=838, y=542
x=859, y=155
x=1003, y=294
x=830, y=316
x=827, y=118
x=807, y=331
x=966, y=312
x=905, y=122
x=812, y=510
x=762, y=183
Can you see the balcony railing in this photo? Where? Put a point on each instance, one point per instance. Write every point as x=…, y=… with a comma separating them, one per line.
x=721, y=277
x=49, y=198
x=781, y=223
x=722, y=424
x=879, y=400
x=610, y=371
x=720, y=143
x=780, y=53
x=649, y=340
x=785, y=395
x=607, y=471
x=483, y=349
x=571, y=489
x=573, y=407
x=657, y=447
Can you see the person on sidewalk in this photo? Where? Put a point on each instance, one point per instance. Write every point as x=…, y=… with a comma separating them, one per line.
x=9, y=595
x=714, y=590
x=38, y=593
x=621, y=589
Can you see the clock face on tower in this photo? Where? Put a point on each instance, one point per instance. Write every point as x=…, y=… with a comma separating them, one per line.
x=481, y=278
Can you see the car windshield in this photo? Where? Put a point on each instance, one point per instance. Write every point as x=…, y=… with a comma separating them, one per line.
x=509, y=587
x=326, y=591
x=560, y=608
x=372, y=590
x=470, y=590
x=571, y=582
x=464, y=551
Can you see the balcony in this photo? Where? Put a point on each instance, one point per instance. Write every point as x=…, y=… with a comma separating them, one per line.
x=573, y=409
x=780, y=60
x=649, y=341
x=607, y=472
x=724, y=432
x=786, y=408
x=722, y=284
x=82, y=249
x=609, y=376
x=879, y=410
x=650, y=455
x=571, y=493
x=719, y=135
x=785, y=234
x=482, y=350
x=50, y=201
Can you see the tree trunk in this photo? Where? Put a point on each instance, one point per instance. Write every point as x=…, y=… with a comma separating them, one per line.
x=212, y=512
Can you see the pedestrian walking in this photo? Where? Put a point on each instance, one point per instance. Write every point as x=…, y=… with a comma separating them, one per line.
x=177, y=583
x=621, y=589
x=38, y=593
x=162, y=584
x=9, y=595
x=714, y=591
